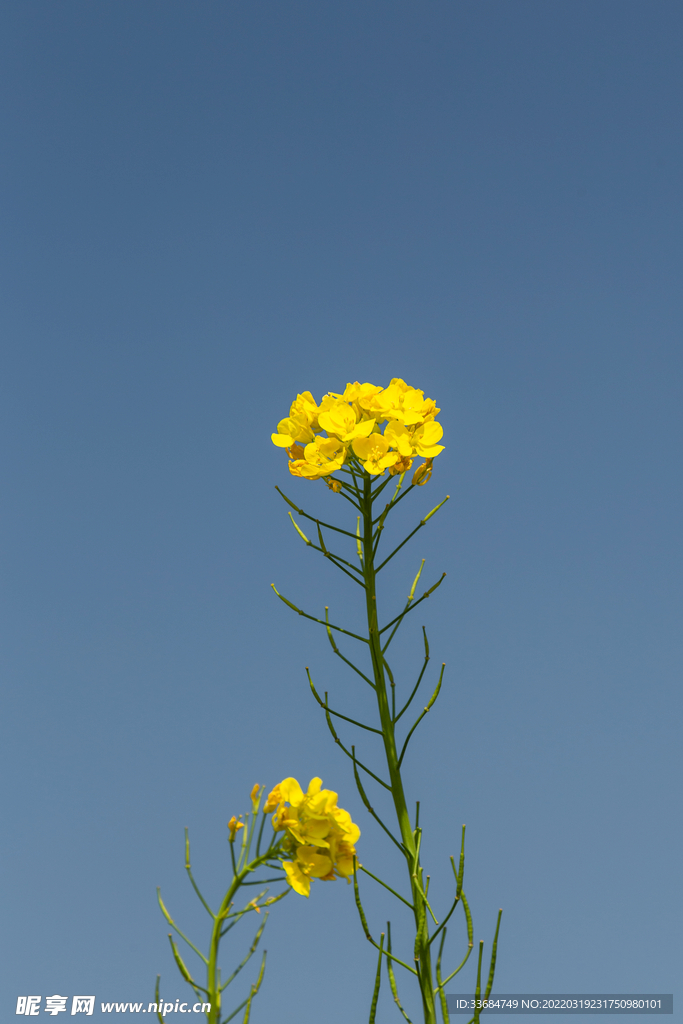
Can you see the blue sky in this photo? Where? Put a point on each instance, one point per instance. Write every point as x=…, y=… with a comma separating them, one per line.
x=210, y=207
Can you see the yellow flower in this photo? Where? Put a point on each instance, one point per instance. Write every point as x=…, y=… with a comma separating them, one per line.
x=352, y=422
x=299, y=882
x=339, y=420
x=384, y=404
x=425, y=439
x=322, y=456
x=234, y=826
x=399, y=437
x=333, y=484
x=320, y=836
x=360, y=393
x=342, y=853
x=290, y=430
x=304, y=406
x=300, y=424
x=374, y=453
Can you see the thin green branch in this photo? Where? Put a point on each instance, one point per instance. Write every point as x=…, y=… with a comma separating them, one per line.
x=336, y=560
x=411, y=595
x=494, y=954
x=252, y=950
x=439, y=983
x=157, y=1000
x=188, y=868
x=260, y=833
x=321, y=621
x=181, y=966
x=337, y=714
x=365, y=800
x=470, y=939
x=392, y=978
x=422, y=893
x=477, y=990
x=340, y=655
x=423, y=522
x=393, y=687
x=175, y=928
x=424, y=597
x=378, y=979
x=364, y=923
x=392, y=891
x=394, y=501
x=378, y=490
x=247, y=1002
x=351, y=756
x=255, y=989
x=460, y=873
x=419, y=679
x=387, y=508
x=350, y=500
x=300, y=511
x=262, y=881
x=458, y=888
x=422, y=714
x=323, y=550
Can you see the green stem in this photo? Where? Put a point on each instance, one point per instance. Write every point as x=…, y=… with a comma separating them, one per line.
x=423, y=963
x=213, y=982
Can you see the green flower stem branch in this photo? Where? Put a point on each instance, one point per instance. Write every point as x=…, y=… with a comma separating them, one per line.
x=363, y=490
x=248, y=867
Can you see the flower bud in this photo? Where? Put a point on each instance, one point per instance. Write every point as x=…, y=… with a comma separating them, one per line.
x=334, y=485
x=423, y=473
x=273, y=800
x=402, y=466
x=234, y=825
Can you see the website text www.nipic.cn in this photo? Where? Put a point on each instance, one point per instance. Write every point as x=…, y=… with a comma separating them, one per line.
x=30, y=1006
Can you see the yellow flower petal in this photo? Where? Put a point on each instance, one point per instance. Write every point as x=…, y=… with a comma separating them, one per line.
x=312, y=862
x=296, y=878
x=291, y=792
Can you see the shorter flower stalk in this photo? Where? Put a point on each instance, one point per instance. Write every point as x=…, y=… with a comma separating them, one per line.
x=310, y=837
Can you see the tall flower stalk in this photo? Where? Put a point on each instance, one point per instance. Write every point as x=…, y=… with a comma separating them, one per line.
x=353, y=457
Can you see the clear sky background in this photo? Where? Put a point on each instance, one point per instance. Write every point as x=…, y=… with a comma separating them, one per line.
x=207, y=207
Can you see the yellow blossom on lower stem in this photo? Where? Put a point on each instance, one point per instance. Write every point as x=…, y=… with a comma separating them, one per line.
x=320, y=836
x=234, y=826
x=299, y=882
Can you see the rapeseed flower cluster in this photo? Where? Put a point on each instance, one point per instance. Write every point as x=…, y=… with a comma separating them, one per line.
x=320, y=837
x=319, y=439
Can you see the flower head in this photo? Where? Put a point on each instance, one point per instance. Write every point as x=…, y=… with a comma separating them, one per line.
x=319, y=838
x=372, y=427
